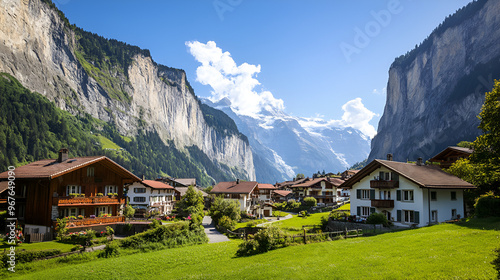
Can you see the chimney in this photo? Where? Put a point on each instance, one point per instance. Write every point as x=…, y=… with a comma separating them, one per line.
x=237, y=181
x=63, y=155
x=420, y=161
x=389, y=157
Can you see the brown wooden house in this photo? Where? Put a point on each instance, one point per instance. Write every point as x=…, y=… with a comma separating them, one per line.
x=450, y=155
x=88, y=188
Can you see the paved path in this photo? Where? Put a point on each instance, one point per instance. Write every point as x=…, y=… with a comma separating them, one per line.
x=213, y=235
x=275, y=219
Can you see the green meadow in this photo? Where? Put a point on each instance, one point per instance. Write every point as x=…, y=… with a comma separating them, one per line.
x=445, y=251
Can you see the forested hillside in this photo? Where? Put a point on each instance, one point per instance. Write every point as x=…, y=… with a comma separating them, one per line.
x=33, y=128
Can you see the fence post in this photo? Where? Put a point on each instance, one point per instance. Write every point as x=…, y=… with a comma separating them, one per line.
x=305, y=237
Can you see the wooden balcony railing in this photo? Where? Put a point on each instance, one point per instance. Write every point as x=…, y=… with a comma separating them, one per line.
x=93, y=221
x=381, y=184
x=94, y=200
x=383, y=203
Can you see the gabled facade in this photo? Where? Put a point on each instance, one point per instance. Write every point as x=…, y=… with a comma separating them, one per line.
x=281, y=195
x=151, y=195
x=86, y=187
x=320, y=188
x=450, y=155
x=247, y=193
x=408, y=194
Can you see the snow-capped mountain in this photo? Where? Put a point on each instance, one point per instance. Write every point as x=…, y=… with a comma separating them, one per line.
x=282, y=146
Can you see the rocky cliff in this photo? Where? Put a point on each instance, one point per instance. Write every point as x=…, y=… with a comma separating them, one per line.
x=46, y=54
x=436, y=91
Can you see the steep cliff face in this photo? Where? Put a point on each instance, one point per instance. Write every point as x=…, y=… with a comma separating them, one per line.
x=42, y=51
x=436, y=91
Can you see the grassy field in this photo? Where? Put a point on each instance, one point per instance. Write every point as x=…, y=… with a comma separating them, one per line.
x=295, y=224
x=40, y=246
x=446, y=251
x=107, y=144
x=244, y=224
x=345, y=207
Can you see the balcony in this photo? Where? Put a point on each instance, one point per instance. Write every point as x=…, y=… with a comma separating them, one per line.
x=160, y=203
x=93, y=221
x=383, y=203
x=381, y=184
x=94, y=200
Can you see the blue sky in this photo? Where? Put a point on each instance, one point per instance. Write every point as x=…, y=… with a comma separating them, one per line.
x=315, y=56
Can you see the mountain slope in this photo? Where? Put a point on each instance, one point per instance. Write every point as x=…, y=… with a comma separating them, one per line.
x=435, y=92
x=282, y=147
x=119, y=84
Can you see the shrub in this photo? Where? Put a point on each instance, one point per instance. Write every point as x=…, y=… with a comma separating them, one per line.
x=267, y=239
x=110, y=250
x=154, y=223
x=29, y=256
x=310, y=201
x=128, y=211
x=247, y=248
x=487, y=205
x=227, y=223
x=61, y=229
x=222, y=207
x=109, y=231
x=377, y=218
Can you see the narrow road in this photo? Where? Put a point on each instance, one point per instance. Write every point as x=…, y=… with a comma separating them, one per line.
x=275, y=219
x=213, y=235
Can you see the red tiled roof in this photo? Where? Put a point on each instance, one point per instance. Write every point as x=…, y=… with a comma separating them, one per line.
x=282, y=193
x=336, y=181
x=157, y=184
x=310, y=183
x=50, y=168
x=266, y=187
x=234, y=187
x=4, y=185
x=426, y=176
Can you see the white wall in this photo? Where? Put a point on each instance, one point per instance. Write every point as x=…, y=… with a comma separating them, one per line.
x=152, y=196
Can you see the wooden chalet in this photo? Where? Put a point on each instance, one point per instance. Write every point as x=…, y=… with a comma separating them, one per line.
x=450, y=155
x=320, y=188
x=69, y=187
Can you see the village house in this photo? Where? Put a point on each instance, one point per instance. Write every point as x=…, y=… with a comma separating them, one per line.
x=450, y=155
x=320, y=188
x=281, y=196
x=408, y=194
x=342, y=194
x=87, y=189
x=247, y=193
x=149, y=195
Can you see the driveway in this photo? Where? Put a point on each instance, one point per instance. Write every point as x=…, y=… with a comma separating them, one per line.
x=213, y=235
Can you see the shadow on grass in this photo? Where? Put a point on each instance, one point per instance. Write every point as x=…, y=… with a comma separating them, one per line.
x=490, y=223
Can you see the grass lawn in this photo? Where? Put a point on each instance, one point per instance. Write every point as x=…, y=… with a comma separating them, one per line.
x=40, y=246
x=242, y=225
x=297, y=222
x=345, y=207
x=107, y=144
x=446, y=251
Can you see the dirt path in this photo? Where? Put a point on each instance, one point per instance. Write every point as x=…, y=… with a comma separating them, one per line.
x=213, y=235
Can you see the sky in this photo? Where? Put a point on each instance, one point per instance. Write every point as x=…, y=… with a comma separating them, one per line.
x=325, y=61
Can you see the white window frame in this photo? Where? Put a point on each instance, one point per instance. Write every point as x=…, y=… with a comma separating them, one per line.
x=365, y=211
x=110, y=189
x=407, y=196
x=454, y=213
x=139, y=197
x=73, y=189
x=434, y=216
x=139, y=190
x=365, y=194
x=409, y=216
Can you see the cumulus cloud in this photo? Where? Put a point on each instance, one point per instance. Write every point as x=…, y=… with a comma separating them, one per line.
x=356, y=115
x=235, y=82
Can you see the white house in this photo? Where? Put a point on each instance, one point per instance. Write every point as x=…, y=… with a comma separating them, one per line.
x=152, y=195
x=408, y=194
x=248, y=194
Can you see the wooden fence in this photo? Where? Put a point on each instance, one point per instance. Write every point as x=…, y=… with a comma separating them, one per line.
x=38, y=237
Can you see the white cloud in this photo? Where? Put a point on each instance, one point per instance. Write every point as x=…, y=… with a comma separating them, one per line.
x=227, y=79
x=380, y=92
x=356, y=115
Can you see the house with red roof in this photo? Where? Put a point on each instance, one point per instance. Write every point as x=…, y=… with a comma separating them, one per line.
x=89, y=189
x=248, y=194
x=409, y=194
x=149, y=196
x=320, y=188
x=281, y=195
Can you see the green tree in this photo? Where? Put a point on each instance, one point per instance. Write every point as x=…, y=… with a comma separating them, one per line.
x=300, y=176
x=191, y=206
x=224, y=208
x=128, y=211
x=377, y=219
x=310, y=201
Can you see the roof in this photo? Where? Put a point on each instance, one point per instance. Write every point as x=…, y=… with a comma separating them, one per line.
x=282, y=193
x=4, y=185
x=51, y=168
x=183, y=190
x=450, y=150
x=336, y=181
x=157, y=185
x=310, y=183
x=266, y=187
x=425, y=176
x=234, y=187
x=186, y=181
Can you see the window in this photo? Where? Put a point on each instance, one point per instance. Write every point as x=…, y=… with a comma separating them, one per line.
x=407, y=195
x=433, y=196
x=434, y=216
x=365, y=194
x=73, y=189
x=110, y=189
x=453, y=213
x=139, y=199
x=409, y=216
x=365, y=211
x=453, y=195
x=90, y=171
x=139, y=190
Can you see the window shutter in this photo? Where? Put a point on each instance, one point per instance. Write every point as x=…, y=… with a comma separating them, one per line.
x=372, y=210
x=398, y=195
x=372, y=194
x=399, y=216
x=417, y=217
x=358, y=194
x=358, y=211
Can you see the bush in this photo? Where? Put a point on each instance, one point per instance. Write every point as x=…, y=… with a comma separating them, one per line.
x=110, y=250
x=487, y=205
x=109, y=231
x=128, y=211
x=225, y=208
x=61, y=229
x=29, y=256
x=267, y=239
x=377, y=218
x=154, y=223
x=247, y=248
x=227, y=223
x=310, y=201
